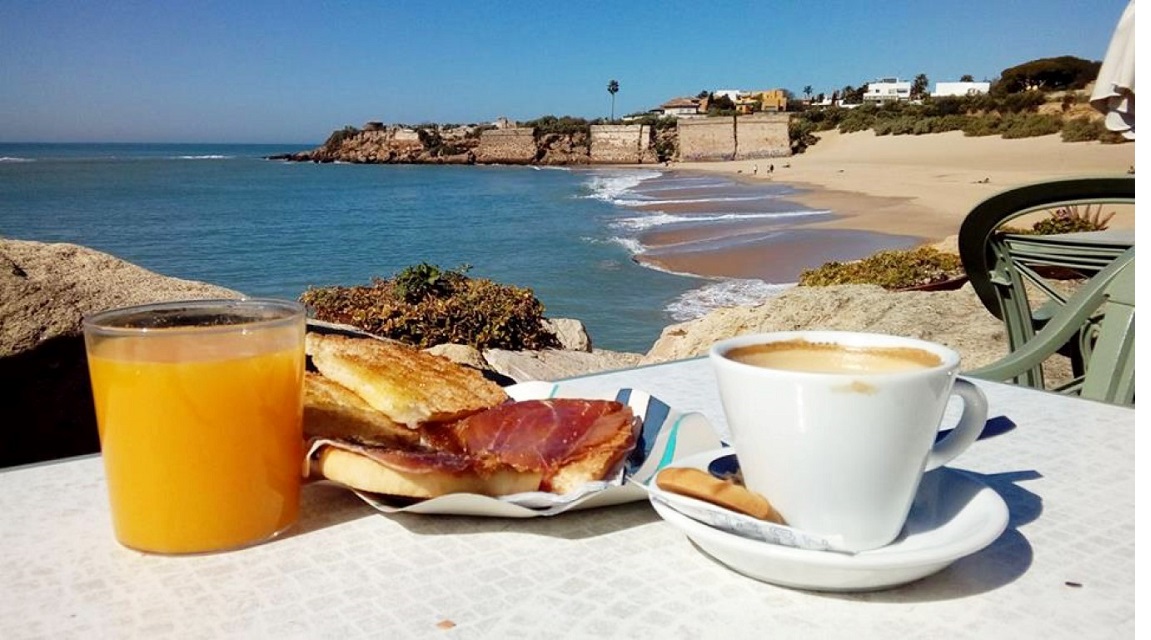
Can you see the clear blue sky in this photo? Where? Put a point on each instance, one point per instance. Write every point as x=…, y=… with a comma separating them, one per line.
x=287, y=71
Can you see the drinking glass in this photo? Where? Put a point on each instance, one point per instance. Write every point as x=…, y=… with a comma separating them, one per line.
x=199, y=405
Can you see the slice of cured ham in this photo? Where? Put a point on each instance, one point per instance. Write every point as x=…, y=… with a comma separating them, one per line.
x=569, y=441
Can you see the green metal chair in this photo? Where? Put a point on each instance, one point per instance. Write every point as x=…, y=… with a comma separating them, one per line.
x=1017, y=276
x=1101, y=316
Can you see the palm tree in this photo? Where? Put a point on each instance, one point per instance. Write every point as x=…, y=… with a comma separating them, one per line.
x=612, y=88
x=807, y=92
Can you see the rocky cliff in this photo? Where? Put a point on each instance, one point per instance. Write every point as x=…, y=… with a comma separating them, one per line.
x=45, y=291
x=556, y=143
x=435, y=144
x=379, y=144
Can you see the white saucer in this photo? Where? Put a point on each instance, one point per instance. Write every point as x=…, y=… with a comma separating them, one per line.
x=954, y=515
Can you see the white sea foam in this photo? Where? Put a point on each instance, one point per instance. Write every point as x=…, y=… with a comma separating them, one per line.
x=722, y=293
x=633, y=246
x=15, y=159
x=641, y=223
x=204, y=157
x=641, y=201
x=612, y=186
x=677, y=184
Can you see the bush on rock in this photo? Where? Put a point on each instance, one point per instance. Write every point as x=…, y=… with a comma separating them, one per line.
x=424, y=306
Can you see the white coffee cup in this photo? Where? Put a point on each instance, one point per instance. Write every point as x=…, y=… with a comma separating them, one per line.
x=836, y=428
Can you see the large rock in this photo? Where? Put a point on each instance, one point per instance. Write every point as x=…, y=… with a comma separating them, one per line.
x=954, y=318
x=45, y=291
x=555, y=364
x=571, y=333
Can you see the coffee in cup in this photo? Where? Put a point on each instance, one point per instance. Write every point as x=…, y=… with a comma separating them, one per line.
x=837, y=428
x=824, y=357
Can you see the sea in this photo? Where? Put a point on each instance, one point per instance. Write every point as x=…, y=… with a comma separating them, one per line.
x=225, y=214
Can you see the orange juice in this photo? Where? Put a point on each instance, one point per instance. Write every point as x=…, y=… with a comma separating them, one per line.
x=201, y=435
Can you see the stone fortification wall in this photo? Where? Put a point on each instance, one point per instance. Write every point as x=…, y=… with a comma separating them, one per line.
x=761, y=135
x=704, y=139
x=507, y=146
x=622, y=144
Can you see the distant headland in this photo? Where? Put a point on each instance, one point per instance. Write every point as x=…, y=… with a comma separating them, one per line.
x=558, y=141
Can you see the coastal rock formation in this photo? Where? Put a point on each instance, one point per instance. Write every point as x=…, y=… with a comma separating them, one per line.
x=954, y=318
x=45, y=290
x=556, y=364
x=752, y=136
x=379, y=144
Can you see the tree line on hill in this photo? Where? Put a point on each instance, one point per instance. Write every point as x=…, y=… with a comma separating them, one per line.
x=1036, y=98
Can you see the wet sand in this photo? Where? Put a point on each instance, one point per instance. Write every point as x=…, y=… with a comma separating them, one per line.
x=877, y=192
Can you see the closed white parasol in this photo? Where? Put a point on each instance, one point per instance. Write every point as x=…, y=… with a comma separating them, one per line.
x=1114, y=92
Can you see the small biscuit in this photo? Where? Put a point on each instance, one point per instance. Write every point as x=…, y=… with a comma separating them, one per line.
x=701, y=485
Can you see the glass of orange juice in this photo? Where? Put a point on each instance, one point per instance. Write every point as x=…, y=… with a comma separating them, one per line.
x=199, y=405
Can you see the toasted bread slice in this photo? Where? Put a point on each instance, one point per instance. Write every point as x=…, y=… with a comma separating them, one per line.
x=408, y=385
x=416, y=474
x=331, y=410
x=596, y=463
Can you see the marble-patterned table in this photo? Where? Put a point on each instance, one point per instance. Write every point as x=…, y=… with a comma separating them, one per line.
x=1065, y=566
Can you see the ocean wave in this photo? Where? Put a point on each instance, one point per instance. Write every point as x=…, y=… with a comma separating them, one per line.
x=673, y=185
x=16, y=159
x=611, y=186
x=203, y=157
x=642, y=223
x=641, y=201
x=633, y=246
x=723, y=293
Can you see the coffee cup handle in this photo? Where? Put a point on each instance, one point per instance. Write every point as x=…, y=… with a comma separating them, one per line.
x=969, y=427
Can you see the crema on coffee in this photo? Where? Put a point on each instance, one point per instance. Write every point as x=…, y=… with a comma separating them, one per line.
x=823, y=357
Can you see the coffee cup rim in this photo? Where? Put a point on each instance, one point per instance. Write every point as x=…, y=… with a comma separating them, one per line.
x=949, y=358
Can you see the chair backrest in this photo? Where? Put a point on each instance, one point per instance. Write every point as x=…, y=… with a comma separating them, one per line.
x=1017, y=276
x=1102, y=313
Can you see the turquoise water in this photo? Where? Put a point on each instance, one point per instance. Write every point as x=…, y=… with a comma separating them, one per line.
x=223, y=214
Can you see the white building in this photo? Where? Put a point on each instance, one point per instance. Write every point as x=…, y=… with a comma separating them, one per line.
x=680, y=107
x=887, y=90
x=943, y=89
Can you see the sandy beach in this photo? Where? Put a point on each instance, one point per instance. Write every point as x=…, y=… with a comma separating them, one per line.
x=886, y=192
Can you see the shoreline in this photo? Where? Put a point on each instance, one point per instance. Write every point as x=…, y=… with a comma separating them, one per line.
x=881, y=191
x=873, y=182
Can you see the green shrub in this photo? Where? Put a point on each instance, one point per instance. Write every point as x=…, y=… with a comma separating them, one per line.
x=1030, y=125
x=1024, y=101
x=1071, y=220
x=564, y=125
x=1082, y=130
x=892, y=269
x=985, y=125
x=1067, y=219
x=425, y=306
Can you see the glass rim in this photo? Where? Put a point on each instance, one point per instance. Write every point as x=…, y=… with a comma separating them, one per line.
x=283, y=312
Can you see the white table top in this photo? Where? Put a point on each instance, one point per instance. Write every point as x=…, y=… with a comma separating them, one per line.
x=1065, y=567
